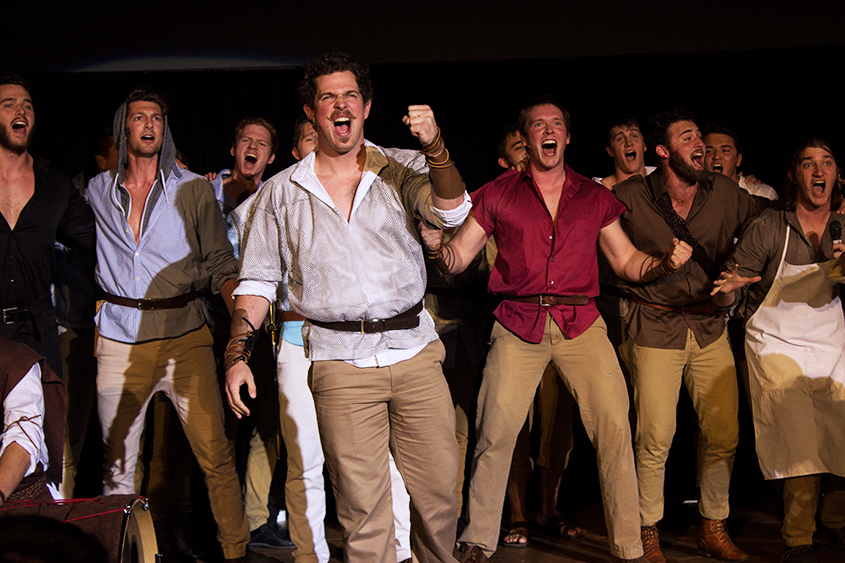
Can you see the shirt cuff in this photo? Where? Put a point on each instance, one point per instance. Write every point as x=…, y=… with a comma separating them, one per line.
x=26, y=400
x=454, y=217
x=264, y=289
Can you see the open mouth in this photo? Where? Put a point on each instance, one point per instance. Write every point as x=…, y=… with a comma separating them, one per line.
x=549, y=145
x=631, y=156
x=717, y=168
x=148, y=137
x=818, y=187
x=697, y=159
x=19, y=124
x=342, y=125
x=251, y=158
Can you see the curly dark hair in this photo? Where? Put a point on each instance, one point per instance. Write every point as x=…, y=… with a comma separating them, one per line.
x=329, y=64
x=16, y=79
x=658, y=126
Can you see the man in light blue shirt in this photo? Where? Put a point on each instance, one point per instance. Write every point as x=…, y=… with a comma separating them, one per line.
x=160, y=241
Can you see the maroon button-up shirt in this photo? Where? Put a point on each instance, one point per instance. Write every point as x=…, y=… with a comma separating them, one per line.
x=542, y=255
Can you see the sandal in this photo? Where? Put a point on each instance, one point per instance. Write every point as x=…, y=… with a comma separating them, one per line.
x=559, y=527
x=517, y=535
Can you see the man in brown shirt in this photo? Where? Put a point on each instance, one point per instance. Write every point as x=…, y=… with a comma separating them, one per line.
x=674, y=331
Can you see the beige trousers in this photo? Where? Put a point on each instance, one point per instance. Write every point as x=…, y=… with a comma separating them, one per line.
x=590, y=371
x=710, y=378
x=183, y=368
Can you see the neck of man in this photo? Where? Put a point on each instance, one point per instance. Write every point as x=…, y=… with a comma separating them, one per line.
x=13, y=163
x=621, y=175
x=548, y=178
x=813, y=220
x=239, y=187
x=141, y=170
x=331, y=163
x=680, y=189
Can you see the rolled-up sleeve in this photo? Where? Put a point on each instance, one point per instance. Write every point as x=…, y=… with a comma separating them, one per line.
x=23, y=418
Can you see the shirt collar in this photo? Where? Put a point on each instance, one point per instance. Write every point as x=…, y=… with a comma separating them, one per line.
x=304, y=175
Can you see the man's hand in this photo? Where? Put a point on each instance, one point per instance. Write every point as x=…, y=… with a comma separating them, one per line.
x=420, y=120
x=837, y=251
x=432, y=238
x=681, y=253
x=210, y=176
x=731, y=281
x=751, y=180
x=237, y=375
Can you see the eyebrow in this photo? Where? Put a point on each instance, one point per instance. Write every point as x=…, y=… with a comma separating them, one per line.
x=13, y=99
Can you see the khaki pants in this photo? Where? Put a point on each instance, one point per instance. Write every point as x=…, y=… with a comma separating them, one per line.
x=710, y=377
x=591, y=372
x=360, y=411
x=183, y=368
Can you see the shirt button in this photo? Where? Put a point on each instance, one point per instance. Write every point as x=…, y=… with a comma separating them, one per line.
x=137, y=279
x=552, y=282
x=136, y=254
x=550, y=237
x=553, y=259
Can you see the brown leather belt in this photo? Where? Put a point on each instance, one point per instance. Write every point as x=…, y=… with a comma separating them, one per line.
x=402, y=321
x=152, y=304
x=548, y=300
x=290, y=316
x=24, y=314
x=700, y=308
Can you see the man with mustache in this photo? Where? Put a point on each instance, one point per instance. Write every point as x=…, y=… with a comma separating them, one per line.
x=675, y=333
x=341, y=225
x=38, y=206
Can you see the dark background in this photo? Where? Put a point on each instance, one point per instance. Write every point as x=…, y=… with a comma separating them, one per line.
x=767, y=69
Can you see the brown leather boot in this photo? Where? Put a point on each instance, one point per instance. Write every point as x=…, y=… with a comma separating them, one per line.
x=472, y=554
x=651, y=544
x=714, y=541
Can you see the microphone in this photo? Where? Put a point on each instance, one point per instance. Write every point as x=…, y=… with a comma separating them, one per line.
x=835, y=229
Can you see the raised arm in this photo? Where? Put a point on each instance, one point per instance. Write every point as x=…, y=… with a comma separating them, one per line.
x=249, y=313
x=447, y=187
x=632, y=265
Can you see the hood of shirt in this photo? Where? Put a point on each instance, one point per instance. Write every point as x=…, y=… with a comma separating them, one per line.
x=166, y=156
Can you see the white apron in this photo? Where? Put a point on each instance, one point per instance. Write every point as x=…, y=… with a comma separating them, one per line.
x=794, y=343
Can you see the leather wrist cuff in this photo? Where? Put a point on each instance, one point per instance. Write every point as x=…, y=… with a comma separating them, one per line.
x=242, y=341
x=662, y=268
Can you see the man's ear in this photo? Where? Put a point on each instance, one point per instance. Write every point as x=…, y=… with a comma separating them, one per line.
x=309, y=113
x=790, y=175
x=609, y=151
x=232, y=150
x=271, y=159
x=503, y=163
x=101, y=161
x=738, y=159
x=661, y=151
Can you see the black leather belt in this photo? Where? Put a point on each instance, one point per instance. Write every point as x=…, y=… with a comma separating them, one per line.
x=402, y=321
x=23, y=314
x=152, y=304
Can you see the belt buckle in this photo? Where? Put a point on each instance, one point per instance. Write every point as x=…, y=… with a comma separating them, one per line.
x=8, y=312
x=543, y=304
x=364, y=322
x=139, y=304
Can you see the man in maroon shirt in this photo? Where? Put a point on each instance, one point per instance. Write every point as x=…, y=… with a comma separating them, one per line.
x=547, y=221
